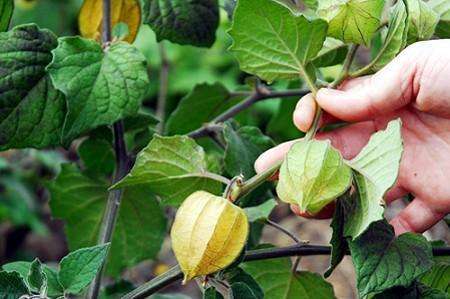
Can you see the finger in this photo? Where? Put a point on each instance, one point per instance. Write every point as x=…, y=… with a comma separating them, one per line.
x=368, y=97
x=417, y=217
x=304, y=113
x=351, y=139
x=395, y=193
x=272, y=156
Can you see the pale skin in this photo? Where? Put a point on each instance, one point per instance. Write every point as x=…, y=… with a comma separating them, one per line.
x=415, y=86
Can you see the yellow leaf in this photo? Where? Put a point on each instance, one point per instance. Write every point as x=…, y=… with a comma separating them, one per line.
x=122, y=11
x=208, y=234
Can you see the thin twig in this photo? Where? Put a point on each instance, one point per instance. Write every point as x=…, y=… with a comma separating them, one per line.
x=163, y=88
x=252, y=98
x=290, y=235
x=174, y=274
x=122, y=167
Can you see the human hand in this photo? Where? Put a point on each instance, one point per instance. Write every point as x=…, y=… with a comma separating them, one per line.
x=415, y=87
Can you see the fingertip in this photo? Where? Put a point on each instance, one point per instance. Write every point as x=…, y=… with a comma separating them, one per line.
x=272, y=156
x=303, y=116
x=400, y=227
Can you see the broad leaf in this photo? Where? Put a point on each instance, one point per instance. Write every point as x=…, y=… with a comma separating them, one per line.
x=438, y=277
x=81, y=200
x=192, y=22
x=261, y=212
x=278, y=282
x=36, y=277
x=332, y=53
x=442, y=8
x=79, y=268
x=243, y=285
x=383, y=261
x=211, y=293
x=31, y=111
x=202, y=104
x=416, y=290
x=54, y=288
x=12, y=285
x=422, y=20
x=280, y=129
x=376, y=168
x=242, y=290
x=102, y=87
x=244, y=146
x=396, y=37
x=127, y=12
x=272, y=43
x=352, y=21
x=97, y=156
x=6, y=12
x=172, y=167
x=312, y=175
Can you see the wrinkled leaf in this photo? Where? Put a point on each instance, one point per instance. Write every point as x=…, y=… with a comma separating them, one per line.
x=352, y=21
x=312, y=175
x=97, y=156
x=422, y=20
x=416, y=290
x=31, y=111
x=12, y=285
x=438, y=277
x=442, y=8
x=396, y=37
x=100, y=88
x=272, y=43
x=6, y=12
x=244, y=146
x=36, y=277
x=376, y=169
x=168, y=162
x=192, y=22
x=261, y=212
x=202, y=104
x=80, y=201
x=90, y=19
x=79, y=268
x=54, y=288
x=208, y=234
x=383, y=261
x=276, y=279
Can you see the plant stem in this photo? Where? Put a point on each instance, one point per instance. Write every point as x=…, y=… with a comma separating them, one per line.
x=174, y=274
x=163, y=88
x=253, y=97
x=346, y=67
x=122, y=167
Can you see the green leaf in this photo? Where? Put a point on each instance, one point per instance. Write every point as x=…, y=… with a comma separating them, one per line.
x=278, y=282
x=352, y=21
x=333, y=52
x=31, y=111
x=396, y=37
x=244, y=146
x=144, y=119
x=211, y=293
x=202, y=104
x=120, y=31
x=101, y=87
x=191, y=22
x=416, y=290
x=280, y=129
x=173, y=168
x=442, y=8
x=383, y=261
x=12, y=285
x=54, y=288
x=312, y=175
x=36, y=277
x=243, y=285
x=81, y=200
x=80, y=267
x=169, y=296
x=339, y=244
x=6, y=12
x=261, y=212
x=438, y=277
x=376, y=168
x=272, y=43
x=117, y=290
x=422, y=20
x=97, y=156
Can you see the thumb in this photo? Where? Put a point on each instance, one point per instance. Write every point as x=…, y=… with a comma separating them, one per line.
x=367, y=97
